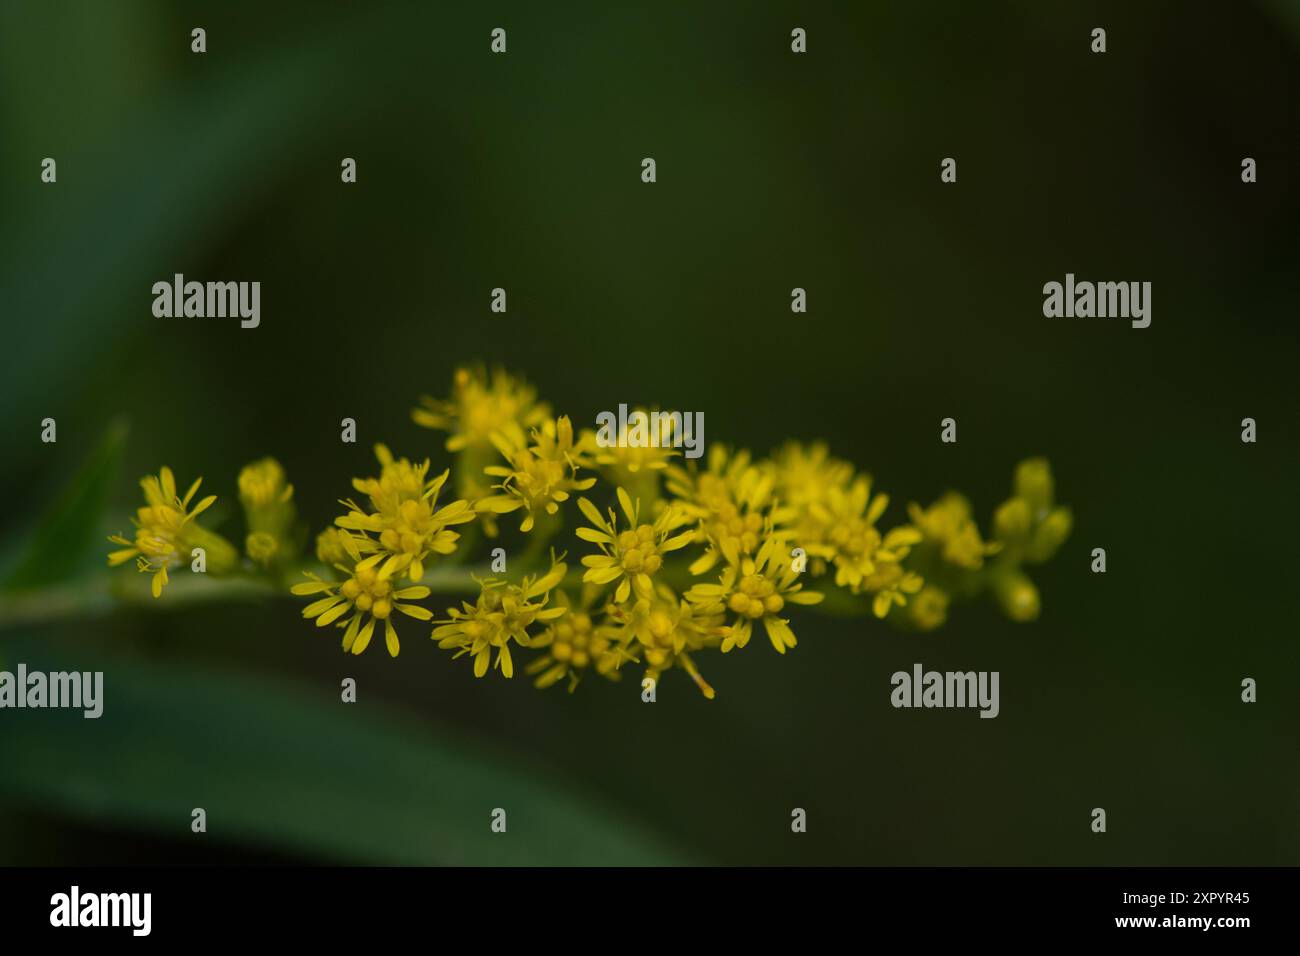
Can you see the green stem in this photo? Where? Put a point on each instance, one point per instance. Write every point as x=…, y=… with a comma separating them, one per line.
x=101, y=594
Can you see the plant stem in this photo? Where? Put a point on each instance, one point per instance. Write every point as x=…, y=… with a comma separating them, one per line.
x=101, y=594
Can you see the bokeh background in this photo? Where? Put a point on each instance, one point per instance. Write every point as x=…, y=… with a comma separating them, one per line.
x=774, y=171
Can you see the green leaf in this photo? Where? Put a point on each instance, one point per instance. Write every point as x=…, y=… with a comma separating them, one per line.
x=255, y=110
x=69, y=533
x=298, y=770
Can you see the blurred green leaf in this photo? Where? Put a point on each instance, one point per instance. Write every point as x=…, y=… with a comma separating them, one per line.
x=69, y=532
x=299, y=771
x=55, y=263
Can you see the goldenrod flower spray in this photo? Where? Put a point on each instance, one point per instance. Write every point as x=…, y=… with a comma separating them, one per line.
x=676, y=558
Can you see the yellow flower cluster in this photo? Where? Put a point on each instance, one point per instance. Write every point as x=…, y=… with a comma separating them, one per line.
x=503, y=613
x=401, y=524
x=957, y=562
x=685, y=558
x=361, y=599
x=677, y=557
x=167, y=536
x=166, y=532
x=387, y=538
x=267, y=497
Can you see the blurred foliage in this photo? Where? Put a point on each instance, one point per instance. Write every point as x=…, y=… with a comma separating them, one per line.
x=273, y=764
x=69, y=538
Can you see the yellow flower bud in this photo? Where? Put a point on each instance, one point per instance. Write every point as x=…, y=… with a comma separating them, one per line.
x=329, y=547
x=1049, y=535
x=268, y=508
x=1018, y=596
x=1033, y=482
x=929, y=609
x=262, y=547
x=262, y=483
x=1012, y=520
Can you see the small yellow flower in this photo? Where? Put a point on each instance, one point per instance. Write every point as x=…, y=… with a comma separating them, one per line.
x=481, y=407
x=891, y=583
x=633, y=556
x=404, y=516
x=851, y=539
x=734, y=503
x=651, y=454
x=502, y=613
x=262, y=484
x=332, y=546
x=663, y=631
x=574, y=644
x=929, y=609
x=368, y=595
x=805, y=475
x=539, y=476
x=948, y=524
x=165, y=532
x=840, y=530
x=756, y=589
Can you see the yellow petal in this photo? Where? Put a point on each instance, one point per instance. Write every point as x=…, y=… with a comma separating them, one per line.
x=350, y=635
x=590, y=512
x=680, y=541
x=363, y=639
x=880, y=606
x=625, y=500
x=779, y=633
x=309, y=587
x=333, y=614
x=704, y=562
x=415, y=611
x=804, y=597
x=190, y=494
x=321, y=606
x=499, y=504
x=602, y=575
x=549, y=580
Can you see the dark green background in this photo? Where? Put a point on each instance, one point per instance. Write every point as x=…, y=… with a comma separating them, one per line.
x=774, y=171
